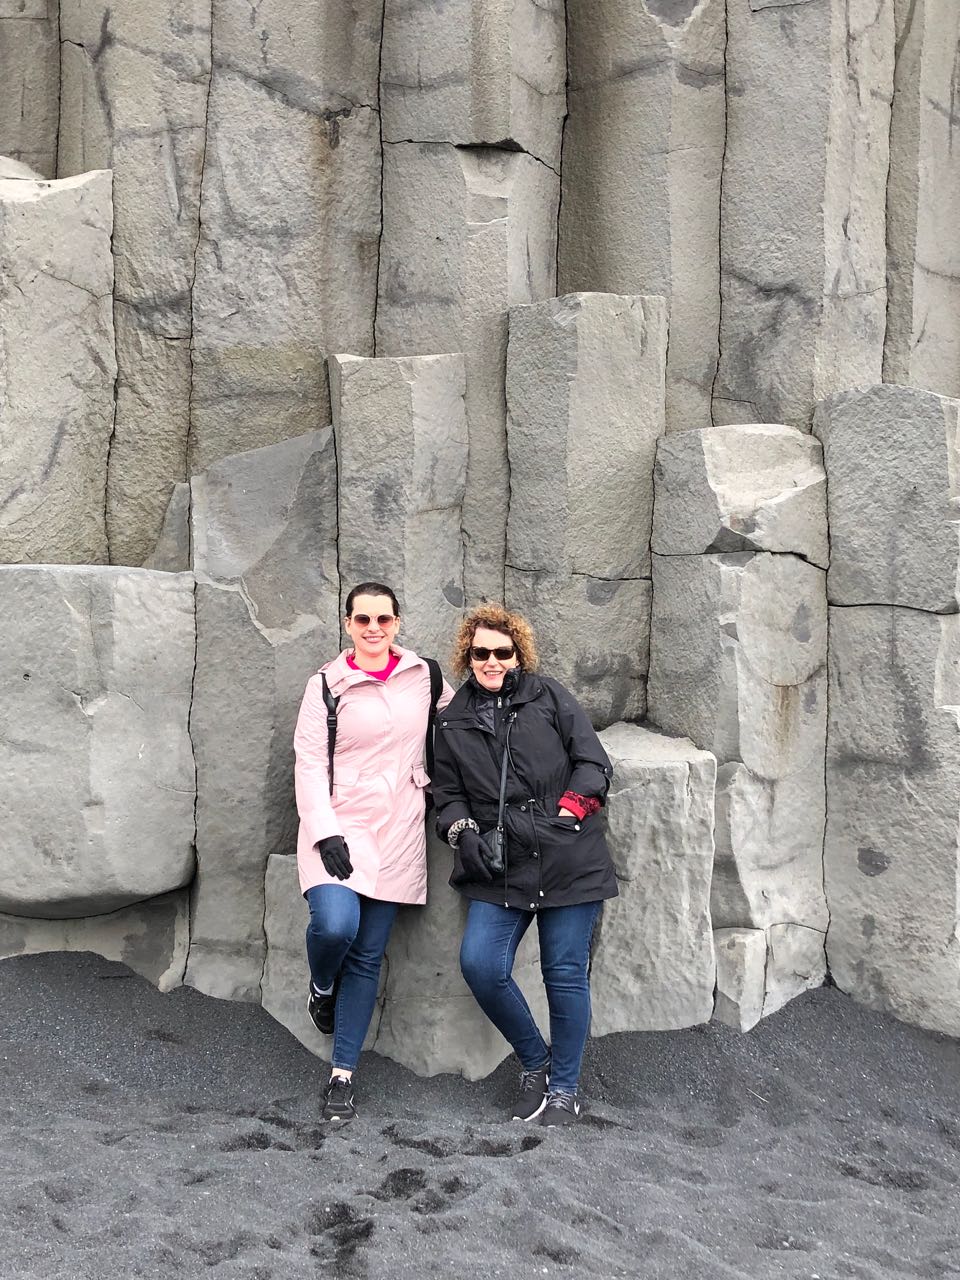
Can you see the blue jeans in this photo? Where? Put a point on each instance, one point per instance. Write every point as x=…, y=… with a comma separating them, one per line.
x=347, y=935
x=487, y=954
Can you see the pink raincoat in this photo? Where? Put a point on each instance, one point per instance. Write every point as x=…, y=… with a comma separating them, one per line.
x=378, y=777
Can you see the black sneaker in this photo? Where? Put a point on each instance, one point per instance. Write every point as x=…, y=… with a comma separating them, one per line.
x=560, y=1108
x=533, y=1093
x=338, y=1102
x=322, y=1008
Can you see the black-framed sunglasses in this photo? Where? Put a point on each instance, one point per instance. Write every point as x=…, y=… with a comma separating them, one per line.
x=383, y=619
x=479, y=654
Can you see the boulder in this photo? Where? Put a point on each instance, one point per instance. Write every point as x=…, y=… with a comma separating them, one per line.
x=16, y=168
x=893, y=460
x=30, y=75
x=795, y=963
x=738, y=658
x=584, y=394
x=133, y=99
x=642, y=158
x=150, y=937
x=57, y=377
x=289, y=220
x=741, y=965
x=893, y=777
x=922, y=345
x=741, y=488
x=431, y=1021
x=467, y=233
x=593, y=635
x=97, y=809
x=475, y=73
x=401, y=433
x=264, y=528
x=653, y=964
x=802, y=242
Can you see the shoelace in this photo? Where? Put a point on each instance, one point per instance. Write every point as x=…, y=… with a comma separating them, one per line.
x=528, y=1079
x=562, y=1098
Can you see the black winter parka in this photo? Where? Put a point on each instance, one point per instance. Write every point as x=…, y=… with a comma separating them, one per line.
x=550, y=861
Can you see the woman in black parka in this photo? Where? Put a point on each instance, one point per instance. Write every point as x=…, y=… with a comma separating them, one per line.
x=554, y=866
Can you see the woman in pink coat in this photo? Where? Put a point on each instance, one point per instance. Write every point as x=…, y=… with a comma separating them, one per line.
x=361, y=850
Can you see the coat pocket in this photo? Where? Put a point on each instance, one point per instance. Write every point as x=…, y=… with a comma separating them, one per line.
x=345, y=780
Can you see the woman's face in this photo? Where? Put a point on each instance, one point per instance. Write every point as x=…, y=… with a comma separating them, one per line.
x=489, y=669
x=372, y=626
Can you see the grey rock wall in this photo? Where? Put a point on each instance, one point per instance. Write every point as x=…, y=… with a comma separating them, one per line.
x=922, y=346
x=642, y=156
x=264, y=544
x=401, y=433
x=585, y=385
x=97, y=806
x=467, y=233
x=286, y=264
x=133, y=99
x=30, y=75
x=475, y=73
x=57, y=368
x=802, y=246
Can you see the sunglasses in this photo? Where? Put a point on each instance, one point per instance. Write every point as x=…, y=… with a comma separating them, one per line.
x=383, y=620
x=503, y=654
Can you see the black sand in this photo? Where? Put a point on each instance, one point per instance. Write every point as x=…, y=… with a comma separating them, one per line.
x=151, y=1135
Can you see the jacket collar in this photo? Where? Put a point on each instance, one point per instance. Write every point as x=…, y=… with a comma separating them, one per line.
x=341, y=676
x=528, y=687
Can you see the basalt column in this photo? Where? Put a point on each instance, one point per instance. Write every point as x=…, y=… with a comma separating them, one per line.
x=473, y=99
x=642, y=156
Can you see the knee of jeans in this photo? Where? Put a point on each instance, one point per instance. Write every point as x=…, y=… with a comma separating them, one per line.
x=479, y=967
x=329, y=933
x=565, y=973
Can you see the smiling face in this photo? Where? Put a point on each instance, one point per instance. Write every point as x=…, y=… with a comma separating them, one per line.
x=372, y=626
x=490, y=670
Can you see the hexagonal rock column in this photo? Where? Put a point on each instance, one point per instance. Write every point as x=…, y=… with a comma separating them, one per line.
x=289, y=220
x=30, y=75
x=426, y=1018
x=467, y=233
x=803, y=263
x=401, y=433
x=476, y=73
x=150, y=937
x=893, y=460
x=97, y=809
x=653, y=964
x=584, y=395
x=891, y=858
x=642, y=157
x=134, y=96
x=57, y=377
x=741, y=488
x=922, y=345
x=738, y=663
x=264, y=529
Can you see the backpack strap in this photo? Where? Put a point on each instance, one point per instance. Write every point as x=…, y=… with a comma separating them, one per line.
x=436, y=688
x=330, y=702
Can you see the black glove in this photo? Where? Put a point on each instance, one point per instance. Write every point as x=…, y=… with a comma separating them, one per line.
x=335, y=857
x=472, y=858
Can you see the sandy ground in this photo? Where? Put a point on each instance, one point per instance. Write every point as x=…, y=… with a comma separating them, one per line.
x=151, y=1135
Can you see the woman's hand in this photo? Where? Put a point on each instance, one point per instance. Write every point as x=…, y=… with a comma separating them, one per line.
x=335, y=857
x=565, y=813
x=471, y=856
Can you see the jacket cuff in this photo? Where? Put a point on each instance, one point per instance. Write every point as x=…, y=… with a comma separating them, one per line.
x=580, y=806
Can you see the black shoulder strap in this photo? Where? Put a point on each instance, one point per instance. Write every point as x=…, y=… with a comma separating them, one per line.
x=436, y=688
x=330, y=702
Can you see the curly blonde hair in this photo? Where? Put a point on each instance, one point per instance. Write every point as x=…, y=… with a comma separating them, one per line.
x=494, y=617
